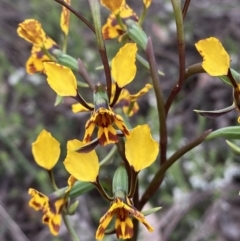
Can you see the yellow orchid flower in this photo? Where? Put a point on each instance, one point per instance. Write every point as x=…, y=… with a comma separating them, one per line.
x=103, y=115
x=46, y=150
x=147, y=150
x=104, y=119
x=50, y=208
x=65, y=18
x=128, y=102
x=216, y=60
x=123, y=223
x=31, y=30
x=113, y=6
x=82, y=166
x=111, y=29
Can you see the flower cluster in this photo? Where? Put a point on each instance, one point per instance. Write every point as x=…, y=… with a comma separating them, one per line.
x=110, y=125
x=82, y=161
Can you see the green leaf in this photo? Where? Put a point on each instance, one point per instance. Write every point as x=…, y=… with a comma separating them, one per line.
x=58, y=100
x=77, y=190
x=212, y=114
x=150, y=211
x=230, y=132
x=234, y=148
x=235, y=75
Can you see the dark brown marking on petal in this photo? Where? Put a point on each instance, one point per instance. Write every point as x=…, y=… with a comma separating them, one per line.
x=39, y=54
x=101, y=231
x=36, y=204
x=129, y=231
x=32, y=68
x=112, y=137
x=46, y=219
x=87, y=138
x=56, y=227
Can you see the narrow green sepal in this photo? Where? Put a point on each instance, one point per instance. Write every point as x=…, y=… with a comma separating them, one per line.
x=230, y=132
x=58, y=100
x=234, y=148
x=136, y=33
x=120, y=182
x=72, y=208
x=212, y=114
x=235, y=75
x=150, y=211
x=66, y=59
x=100, y=96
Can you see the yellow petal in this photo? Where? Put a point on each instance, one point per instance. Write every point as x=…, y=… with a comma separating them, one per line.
x=39, y=201
x=83, y=166
x=147, y=3
x=141, y=92
x=79, y=108
x=123, y=65
x=111, y=29
x=53, y=222
x=35, y=63
x=46, y=150
x=104, y=222
x=65, y=18
x=31, y=30
x=141, y=150
x=216, y=60
x=71, y=181
x=52, y=216
x=61, y=79
x=113, y=6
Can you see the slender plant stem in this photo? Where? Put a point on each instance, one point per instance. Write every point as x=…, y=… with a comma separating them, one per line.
x=181, y=53
x=63, y=3
x=160, y=101
x=109, y=156
x=50, y=173
x=120, y=22
x=45, y=51
x=143, y=15
x=185, y=8
x=70, y=228
x=233, y=81
x=135, y=221
x=80, y=99
x=83, y=72
x=65, y=41
x=194, y=69
x=95, y=10
x=100, y=188
x=156, y=181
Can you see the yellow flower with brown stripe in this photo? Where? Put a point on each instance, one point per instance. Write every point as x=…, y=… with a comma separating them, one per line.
x=123, y=70
x=50, y=208
x=105, y=119
x=124, y=211
x=111, y=29
x=31, y=30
